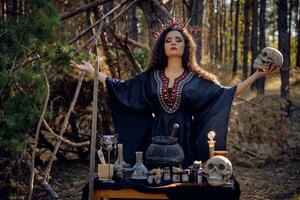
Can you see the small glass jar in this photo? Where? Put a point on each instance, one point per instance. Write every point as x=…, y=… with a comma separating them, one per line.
x=150, y=177
x=176, y=177
x=194, y=171
x=185, y=176
x=199, y=177
x=167, y=174
x=126, y=171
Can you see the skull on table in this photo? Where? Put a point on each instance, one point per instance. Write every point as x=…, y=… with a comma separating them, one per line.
x=218, y=170
x=267, y=58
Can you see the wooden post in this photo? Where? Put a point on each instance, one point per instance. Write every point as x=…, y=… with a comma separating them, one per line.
x=94, y=131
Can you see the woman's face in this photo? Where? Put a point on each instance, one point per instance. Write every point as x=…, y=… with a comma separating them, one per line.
x=174, y=44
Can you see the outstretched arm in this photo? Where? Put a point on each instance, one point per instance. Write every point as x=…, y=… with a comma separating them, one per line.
x=87, y=67
x=241, y=87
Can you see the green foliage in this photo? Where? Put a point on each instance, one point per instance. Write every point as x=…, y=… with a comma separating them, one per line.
x=142, y=57
x=23, y=90
x=60, y=55
x=29, y=34
x=23, y=96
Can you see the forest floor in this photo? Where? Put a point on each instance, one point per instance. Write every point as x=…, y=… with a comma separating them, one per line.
x=280, y=180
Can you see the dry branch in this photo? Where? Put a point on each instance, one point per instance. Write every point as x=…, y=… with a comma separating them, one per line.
x=80, y=144
x=133, y=42
x=44, y=183
x=64, y=126
x=82, y=9
x=94, y=126
x=109, y=61
x=37, y=137
x=85, y=31
x=96, y=35
x=129, y=54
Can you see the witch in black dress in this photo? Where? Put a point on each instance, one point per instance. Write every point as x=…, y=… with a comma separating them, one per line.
x=174, y=89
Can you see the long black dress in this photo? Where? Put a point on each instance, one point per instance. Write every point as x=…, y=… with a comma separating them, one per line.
x=144, y=106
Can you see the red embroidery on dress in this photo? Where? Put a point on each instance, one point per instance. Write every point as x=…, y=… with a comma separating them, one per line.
x=171, y=98
x=170, y=102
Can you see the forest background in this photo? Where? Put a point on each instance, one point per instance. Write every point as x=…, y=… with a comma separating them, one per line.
x=46, y=107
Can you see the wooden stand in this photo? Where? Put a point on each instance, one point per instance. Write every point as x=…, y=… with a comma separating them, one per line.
x=106, y=194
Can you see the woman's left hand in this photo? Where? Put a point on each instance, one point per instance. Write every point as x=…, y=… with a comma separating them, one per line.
x=264, y=72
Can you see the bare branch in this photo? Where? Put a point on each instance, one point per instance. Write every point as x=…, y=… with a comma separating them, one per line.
x=82, y=9
x=44, y=183
x=133, y=42
x=37, y=136
x=94, y=130
x=64, y=126
x=129, y=54
x=96, y=35
x=85, y=31
x=109, y=61
x=80, y=144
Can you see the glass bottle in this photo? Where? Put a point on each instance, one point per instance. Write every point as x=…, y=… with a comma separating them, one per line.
x=119, y=164
x=139, y=169
x=199, y=176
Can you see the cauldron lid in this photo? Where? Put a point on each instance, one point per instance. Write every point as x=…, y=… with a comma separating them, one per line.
x=164, y=140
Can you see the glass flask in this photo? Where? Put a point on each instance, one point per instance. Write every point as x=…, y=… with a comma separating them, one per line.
x=139, y=169
x=120, y=163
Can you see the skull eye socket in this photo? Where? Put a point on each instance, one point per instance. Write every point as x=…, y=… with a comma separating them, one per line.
x=221, y=167
x=264, y=54
x=210, y=166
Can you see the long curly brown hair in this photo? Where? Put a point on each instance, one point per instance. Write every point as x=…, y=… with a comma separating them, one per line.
x=159, y=60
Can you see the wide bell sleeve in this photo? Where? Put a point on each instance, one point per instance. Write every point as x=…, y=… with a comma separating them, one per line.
x=212, y=113
x=131, y=112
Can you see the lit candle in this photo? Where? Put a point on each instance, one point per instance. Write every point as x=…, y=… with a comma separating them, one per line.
x=211, y=143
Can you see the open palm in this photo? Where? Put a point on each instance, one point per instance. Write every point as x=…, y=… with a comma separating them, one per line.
x=86, y=66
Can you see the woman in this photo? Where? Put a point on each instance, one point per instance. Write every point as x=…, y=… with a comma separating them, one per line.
x=174, y=89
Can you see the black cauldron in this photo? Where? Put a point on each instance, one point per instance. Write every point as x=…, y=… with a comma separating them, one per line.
x=164, y=151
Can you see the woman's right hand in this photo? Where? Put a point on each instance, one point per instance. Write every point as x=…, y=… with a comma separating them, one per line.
x=86, y=66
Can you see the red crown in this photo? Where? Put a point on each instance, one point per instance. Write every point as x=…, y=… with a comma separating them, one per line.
x=174, y=24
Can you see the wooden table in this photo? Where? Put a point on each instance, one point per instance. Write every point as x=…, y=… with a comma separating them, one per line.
x=106, y=194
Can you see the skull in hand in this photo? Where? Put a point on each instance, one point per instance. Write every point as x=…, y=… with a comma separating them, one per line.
x=218, y=170
x=267, y=58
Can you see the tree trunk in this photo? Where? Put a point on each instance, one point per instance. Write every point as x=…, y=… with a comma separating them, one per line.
x=225, y=34
x=262, y=43
x=154, y=11
x=290, y=11
x=298, y=34
x=133, y=31
x=2, y=10
x=211, y=31
x=254, y=36
x=236, y=31
x=221, y=30
x=283, y=47
x=231, y=29
x=195, y=13
x=217, y=20
x=246, y=39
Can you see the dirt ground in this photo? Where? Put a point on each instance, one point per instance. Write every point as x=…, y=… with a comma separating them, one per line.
x=280, y=180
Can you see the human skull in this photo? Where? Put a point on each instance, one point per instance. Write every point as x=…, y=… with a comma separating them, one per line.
x=219, y=170
x=267, y=58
